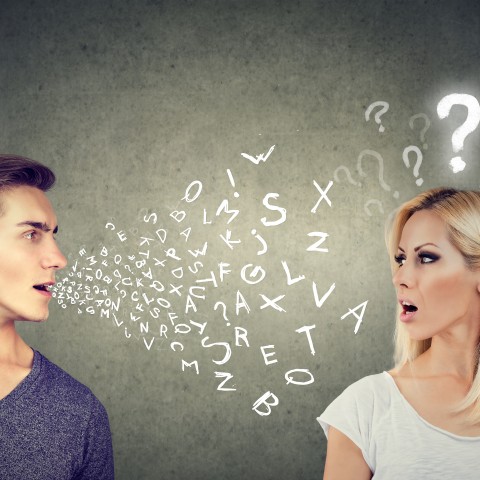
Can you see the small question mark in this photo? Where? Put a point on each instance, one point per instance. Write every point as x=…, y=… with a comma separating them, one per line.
x=224, y=311
x=406, y=161
x=385, y=106
x=424, y=129
x=372, y=201
x=343, y=168
x=380, y=169
x=470, y=124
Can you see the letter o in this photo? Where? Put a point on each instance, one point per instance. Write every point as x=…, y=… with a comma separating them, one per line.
x=197, y=194
x=290, y=379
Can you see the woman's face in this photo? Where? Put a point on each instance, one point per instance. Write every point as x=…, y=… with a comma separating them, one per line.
x=437, y=292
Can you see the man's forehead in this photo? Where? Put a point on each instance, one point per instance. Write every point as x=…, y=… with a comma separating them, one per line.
x=26, y=204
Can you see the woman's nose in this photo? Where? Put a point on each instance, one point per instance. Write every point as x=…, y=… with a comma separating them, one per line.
x=404, y=276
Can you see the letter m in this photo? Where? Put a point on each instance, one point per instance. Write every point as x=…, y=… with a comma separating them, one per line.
x=192, y=364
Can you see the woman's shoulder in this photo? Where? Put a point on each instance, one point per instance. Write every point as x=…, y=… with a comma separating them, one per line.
x=357, y=410
x=369, y=385
x=365, y=394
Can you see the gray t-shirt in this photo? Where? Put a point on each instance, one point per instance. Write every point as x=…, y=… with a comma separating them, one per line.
x=396, y=442
x=53, y=428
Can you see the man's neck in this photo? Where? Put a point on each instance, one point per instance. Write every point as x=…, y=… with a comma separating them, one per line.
x=13, y=350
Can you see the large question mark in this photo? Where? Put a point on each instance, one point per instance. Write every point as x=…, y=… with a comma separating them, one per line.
x=385, y=106
x=470, y=124
x=406, y=161
x=224, y=311
x=380, y=169
x=372, y=201
x=343, y=168
x=424, y=130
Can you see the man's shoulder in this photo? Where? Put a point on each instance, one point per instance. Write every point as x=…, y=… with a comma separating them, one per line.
x=65, y=389
x=54, y=428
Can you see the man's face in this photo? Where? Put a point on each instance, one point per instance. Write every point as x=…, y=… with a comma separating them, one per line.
x=29, y=255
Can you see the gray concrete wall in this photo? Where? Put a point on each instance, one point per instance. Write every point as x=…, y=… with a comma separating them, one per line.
x=131, y=102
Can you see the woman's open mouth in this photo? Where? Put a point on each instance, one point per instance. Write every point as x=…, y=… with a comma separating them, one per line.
x=408, y=311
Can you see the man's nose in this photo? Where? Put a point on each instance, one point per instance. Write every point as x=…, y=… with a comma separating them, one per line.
x=53, y=257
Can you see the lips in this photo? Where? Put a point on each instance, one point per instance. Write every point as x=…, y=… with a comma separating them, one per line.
x=44, y=288
x=408, y=310
x=408, y=306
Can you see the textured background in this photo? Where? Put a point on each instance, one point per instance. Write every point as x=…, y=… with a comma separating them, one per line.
x=129, y=102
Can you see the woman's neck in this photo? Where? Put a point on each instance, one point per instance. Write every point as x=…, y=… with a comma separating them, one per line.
x=448, y=358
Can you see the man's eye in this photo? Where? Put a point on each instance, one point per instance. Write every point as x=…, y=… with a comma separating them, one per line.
x=31, y=235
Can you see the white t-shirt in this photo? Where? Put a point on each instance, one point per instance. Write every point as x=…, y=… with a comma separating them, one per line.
x=396, y=442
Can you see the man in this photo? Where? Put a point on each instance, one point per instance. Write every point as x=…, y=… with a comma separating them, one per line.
x=51, y=426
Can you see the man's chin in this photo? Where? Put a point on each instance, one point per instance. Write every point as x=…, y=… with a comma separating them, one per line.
x=33, y=319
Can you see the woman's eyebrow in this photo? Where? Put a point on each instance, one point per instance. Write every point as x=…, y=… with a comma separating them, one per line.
x=38, y=225
x=416, y=249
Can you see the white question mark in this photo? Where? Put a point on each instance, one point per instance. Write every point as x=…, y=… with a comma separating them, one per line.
x=424, y=129
x=224, y=311
x=470, y=124
x=385, y=106
x=372, y=201
x=406, y=161
x=347, y=174
x=380, y=169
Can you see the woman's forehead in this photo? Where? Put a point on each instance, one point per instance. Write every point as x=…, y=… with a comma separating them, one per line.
x=424, y=226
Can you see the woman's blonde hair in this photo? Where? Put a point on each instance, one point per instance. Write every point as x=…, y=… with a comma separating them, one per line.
x=460, y=210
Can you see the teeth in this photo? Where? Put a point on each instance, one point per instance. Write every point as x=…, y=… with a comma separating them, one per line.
x=408, y=307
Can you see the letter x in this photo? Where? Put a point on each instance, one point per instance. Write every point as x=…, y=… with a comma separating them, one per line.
x=323, y=195
x=272, y=303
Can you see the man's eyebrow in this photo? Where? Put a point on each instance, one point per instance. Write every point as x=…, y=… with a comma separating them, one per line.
x=38, y=225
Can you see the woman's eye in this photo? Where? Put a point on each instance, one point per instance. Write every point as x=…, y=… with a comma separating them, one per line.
x=400, y=259
x=427, y=258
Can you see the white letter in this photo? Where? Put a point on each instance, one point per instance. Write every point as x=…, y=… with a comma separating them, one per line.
x=263, y=400
x=289, y=379
x=283, y=212
x=309, y=338
x=265, y=355
x=227, y=376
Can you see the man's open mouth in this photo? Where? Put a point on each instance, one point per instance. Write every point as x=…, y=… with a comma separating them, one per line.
x=45, y=287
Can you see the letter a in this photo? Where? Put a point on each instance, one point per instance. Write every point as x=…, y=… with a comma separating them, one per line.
x=352, y=311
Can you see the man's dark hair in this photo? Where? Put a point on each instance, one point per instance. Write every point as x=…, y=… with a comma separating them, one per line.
x=17, y=171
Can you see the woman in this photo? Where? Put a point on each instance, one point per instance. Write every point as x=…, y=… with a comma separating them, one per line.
x=421, y=420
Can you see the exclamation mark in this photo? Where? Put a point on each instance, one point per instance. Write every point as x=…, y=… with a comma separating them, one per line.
x=232, y=181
